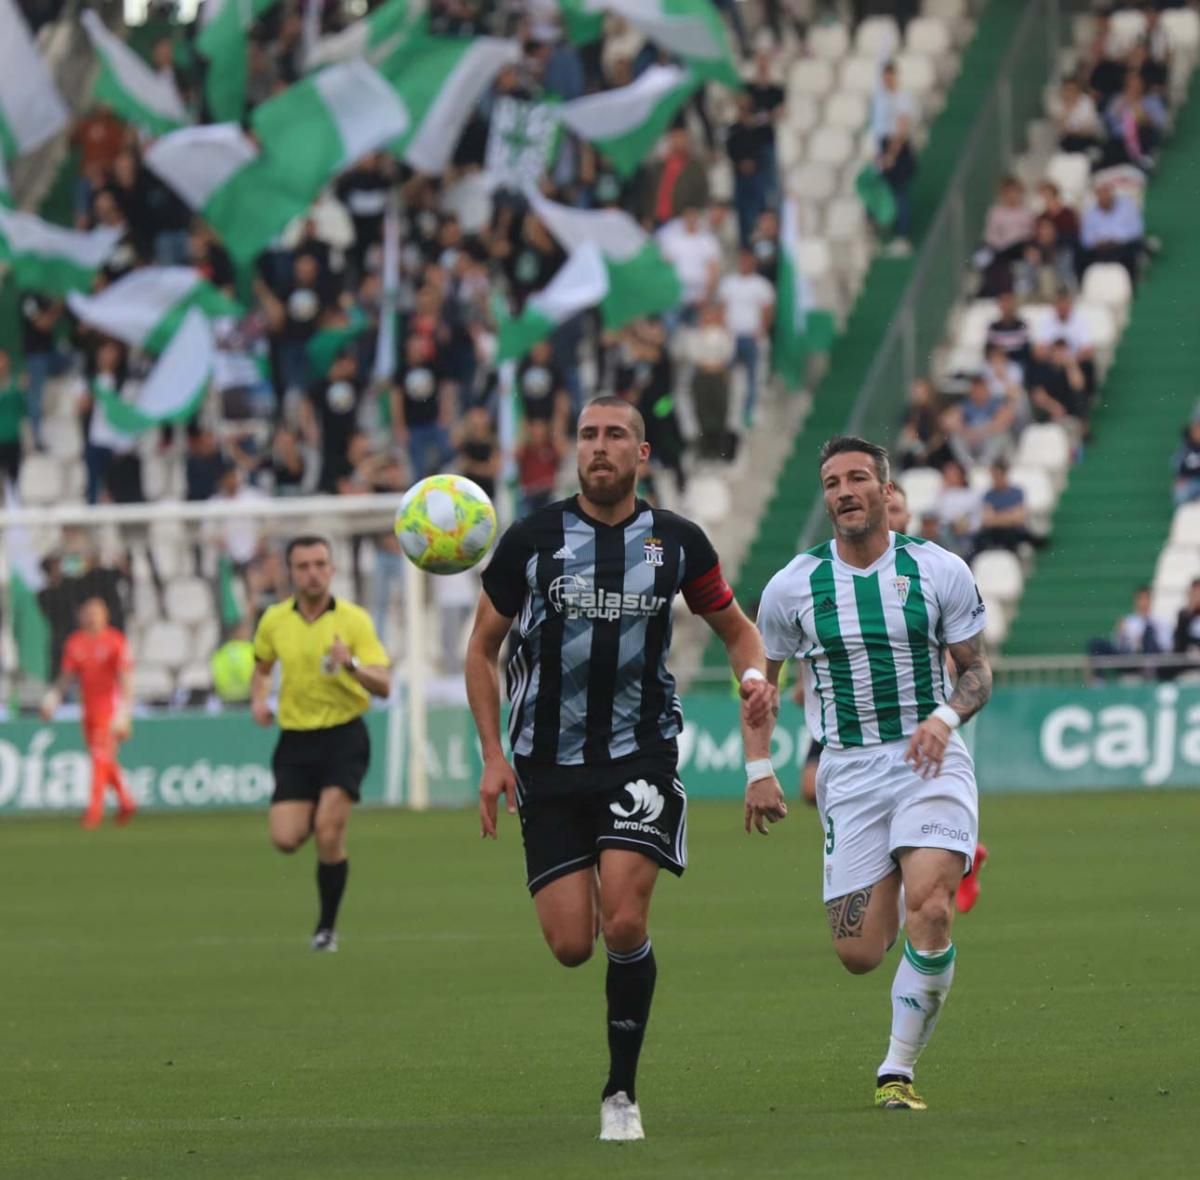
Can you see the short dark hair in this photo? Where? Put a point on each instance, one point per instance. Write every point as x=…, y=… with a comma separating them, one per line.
x=303, y=541
x=635, y=415
x=842, y=444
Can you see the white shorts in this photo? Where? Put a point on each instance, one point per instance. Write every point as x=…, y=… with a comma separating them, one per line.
x=872, y=803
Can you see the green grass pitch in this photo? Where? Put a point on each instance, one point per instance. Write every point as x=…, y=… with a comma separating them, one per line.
x=163, y=1018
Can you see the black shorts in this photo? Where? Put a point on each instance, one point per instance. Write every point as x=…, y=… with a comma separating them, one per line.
x=569, y=814
x=306, y=761
x=815, y=749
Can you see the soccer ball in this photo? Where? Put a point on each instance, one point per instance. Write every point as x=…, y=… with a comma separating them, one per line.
x=445, y=524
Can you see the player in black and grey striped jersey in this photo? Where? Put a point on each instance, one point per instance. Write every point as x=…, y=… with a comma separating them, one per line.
x=590, y=582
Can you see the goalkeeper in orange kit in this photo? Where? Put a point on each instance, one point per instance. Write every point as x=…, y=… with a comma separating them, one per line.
x=97, y=655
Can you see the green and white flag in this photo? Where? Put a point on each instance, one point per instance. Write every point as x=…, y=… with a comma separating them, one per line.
x=522, y=142
x=31, y=628
x=323, y=124
x=690, y=29
x=374, y=37
x=325, y=346
x=626, y=123
x=581, y=282
x=439, y=81
x=135, y=91
x=218, y=172
x=31, y=108
x=224, y=41
x=876, y=195
x=581, y=25
x=147, y=307
x=385, y=340
x=800, y=328
x=640, y=280
x=49, y=259
x=174, y=388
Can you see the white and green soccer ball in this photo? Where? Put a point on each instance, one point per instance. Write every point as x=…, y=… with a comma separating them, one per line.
x=445, y=524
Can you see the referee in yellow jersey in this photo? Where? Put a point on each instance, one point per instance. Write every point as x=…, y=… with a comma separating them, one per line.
x=332, y=664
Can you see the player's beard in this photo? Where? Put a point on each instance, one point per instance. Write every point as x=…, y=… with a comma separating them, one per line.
x=611, y=492
x=872, y=519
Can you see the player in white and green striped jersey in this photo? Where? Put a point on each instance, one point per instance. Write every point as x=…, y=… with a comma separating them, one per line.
x=871, y=615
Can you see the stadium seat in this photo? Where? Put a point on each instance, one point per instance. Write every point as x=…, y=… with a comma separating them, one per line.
x=1185, y=526
x=1182, y=27
x=811, y=181
x=845, y=219
x=814, y=258
x=1046, y=446
x=708, y=499
x=1101, y=324
x=206, y=638
x=848, y=111
x=828, y=42
x=62, y=437
x=41, y=481
x=145, y=595
x=152, y=685
x=802, y=112
x=831, y=145
x=1071, y=171
x=1040, y=496
x=164, y=645
x=790, y=145
x=156, y=477
x=877, y=36
x=922, y=486
x=918, y=78
x=195, y=678
x=1106, y=284
x=998, y=575
x=1176, y=567
x=932, y=37
x=954, y=13
x=1083, y=29
x=169, y=557
x=973, y=327
x=859, y=75
x=995, y=628
x=1166, y=604
x=1126, y=29
x=188, y=600
x=810, y=76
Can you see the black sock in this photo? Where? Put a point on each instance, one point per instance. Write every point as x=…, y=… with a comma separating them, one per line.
x=331, y=882
x=630, y=988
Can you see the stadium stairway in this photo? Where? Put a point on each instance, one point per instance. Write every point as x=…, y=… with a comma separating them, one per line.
x=784, y=514
x=1115, y=514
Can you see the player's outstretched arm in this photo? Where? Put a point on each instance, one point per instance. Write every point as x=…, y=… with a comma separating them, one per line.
x=483, y=695
x=260, y=690
x=760, y=704
x=972, y=691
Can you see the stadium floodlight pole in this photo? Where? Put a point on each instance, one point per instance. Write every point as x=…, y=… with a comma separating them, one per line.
x=415, y=665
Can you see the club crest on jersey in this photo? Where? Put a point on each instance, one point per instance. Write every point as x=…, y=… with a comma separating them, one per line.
x=901, y=583
x=653, y=549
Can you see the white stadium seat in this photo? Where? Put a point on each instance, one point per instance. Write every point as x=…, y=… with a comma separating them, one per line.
x=859, y=75
x=995, y=628
x=1046, y=446
x=62, y=437
x=922, y=486
x=152, y=685
x=845, y=219
x=41, y=481
x=708, y=499
x=802, y=113
x=829, y=42
x=814, y=258
x=195, y=678
x=1101, y=324
x=810, y=76
x=1165, y=604
x=1185, y=525
x=973, y=327
x=188, y=600
x=1125, y=30
x=164, y=645
x=930, y=36
x=1071, y=171
x=875, y=36
x=849, y=111
x=1107, y=284
x=831, y=145
x=1040, y=495
x=205, y=639
x=998, y=575
x=1176, y=568
x=917, y=76
x=813, y=182
x=945, y=9
x=791, y=145
x=1182, y=27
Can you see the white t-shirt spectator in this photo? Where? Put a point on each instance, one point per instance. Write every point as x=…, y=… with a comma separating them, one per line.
x=1074, y=330
x=745, y=298
x=1122, y=223
x=1131, y=633
x=888, y=107
x=710, y=346
x=694, y=255
x=956, y=504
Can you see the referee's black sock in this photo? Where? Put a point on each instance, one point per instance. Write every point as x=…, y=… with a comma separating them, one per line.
x=331, y=883
x=630, y=988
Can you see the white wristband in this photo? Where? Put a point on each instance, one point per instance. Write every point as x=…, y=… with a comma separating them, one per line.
x=758, y=768
x=948, y=715
x=752, y=674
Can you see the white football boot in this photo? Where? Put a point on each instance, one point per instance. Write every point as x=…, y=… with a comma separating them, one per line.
x=620, y=1119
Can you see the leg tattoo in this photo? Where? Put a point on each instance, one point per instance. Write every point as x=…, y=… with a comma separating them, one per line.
x=847, y=914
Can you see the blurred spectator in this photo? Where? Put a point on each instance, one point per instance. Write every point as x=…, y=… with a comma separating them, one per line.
x=693, y=249
x=114, y=468
x=422, y=409
x=1010, y=332
x=960, y=510
x=1187, y=624
x=1076, y=119
x=43, y=359
x=1008, y=230
x=231, y=666
x=1064, y=323
x=765, y=244
x=239, y=535
x=922, y=436
x=366, y=469
x=12, y=415
x=1186, y=464
x=329, y=416
x=479, y=457
x=710, y=351
x=1065, y=219
x=542, y=388
x=981, y=426
x=1113, y=231
x=100, y=136
x=1060, y=392
x=749, y=303
x=1004, y=379
x=750, y=144
x=287, y=464
x=1045, y=266
x=1004, y=519
x=893, y=117
x=539, y=456
x=769, y=99
x=1136, y=123
x=1138, y=633
x=645, y=376
x=677, y=183
x=73, y=574
x=931, y=527
x=204, y=464
x=1105, y=71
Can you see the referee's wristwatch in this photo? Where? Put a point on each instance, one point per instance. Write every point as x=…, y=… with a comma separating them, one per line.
x=353, y=665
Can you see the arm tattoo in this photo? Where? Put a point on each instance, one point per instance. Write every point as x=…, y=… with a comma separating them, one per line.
x=974, y=685
x=847, y=914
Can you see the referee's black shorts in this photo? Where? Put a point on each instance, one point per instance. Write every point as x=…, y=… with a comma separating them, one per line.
x=306, y=761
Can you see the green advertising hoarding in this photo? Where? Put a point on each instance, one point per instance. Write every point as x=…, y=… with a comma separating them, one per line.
x=1027, y=739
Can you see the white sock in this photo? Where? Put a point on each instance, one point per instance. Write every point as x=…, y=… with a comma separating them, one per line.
x=918, y=993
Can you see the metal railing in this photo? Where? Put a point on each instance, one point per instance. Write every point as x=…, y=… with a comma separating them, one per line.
x=918, y=325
